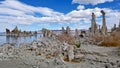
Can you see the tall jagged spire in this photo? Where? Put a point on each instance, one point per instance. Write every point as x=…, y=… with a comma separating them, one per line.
x=63, y=30
x=68, y=30
x=7, y=31
x=76, y=33
x=104, y=27
x=94, y=25
x=119, y=23
x=15, y=30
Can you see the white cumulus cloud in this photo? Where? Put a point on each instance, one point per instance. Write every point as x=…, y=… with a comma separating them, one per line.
x=80, y=7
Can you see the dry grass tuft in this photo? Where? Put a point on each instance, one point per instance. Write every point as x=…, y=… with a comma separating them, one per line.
x=111, y=40
x=66, y=59
x=66, y=38
x=73, y=60
x=110, y=43
x=54, y=54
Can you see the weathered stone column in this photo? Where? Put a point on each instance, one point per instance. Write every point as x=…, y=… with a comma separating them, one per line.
x=68, y=30
x=104, y=27
x=99, y=28
x=76, y=33
x=63, y=30
x=114, y=28
x=44, y=32
x=7, y=31
x=119, y=24
x=94, y=25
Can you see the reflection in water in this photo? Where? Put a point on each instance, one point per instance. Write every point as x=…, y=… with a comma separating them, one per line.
x=35, y=36
x=19, y=40
x=7, y=39
x=12, y=39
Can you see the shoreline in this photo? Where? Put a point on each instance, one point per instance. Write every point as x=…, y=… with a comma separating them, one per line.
x=18, y=40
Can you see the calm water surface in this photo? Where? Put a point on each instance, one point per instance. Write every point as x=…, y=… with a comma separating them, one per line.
x=18, y=40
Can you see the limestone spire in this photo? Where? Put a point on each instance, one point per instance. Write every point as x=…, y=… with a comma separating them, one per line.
x=119, y=24
x=7, y=31
x=76, y=33
x=15, y=30
x=94, y=25
x=68, y=30
x=99, y=28
x=104, y=27
x=114, y=26
x=63, y=30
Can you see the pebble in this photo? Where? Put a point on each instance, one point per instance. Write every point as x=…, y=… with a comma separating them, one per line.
x=108, y=65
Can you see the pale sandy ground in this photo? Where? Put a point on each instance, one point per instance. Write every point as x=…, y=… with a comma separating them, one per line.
x=13, y=64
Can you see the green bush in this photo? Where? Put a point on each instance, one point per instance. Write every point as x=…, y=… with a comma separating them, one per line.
x=78, y=44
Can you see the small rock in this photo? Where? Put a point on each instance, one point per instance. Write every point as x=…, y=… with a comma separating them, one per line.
x=34, y=67
x=118, y=63
x=112, y=63
x=108, y=65
x=70, y=52
x=79, y=56
x=59, y=60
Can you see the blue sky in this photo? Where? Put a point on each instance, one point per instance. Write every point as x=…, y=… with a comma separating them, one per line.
x=65, y=6
x=53, y=14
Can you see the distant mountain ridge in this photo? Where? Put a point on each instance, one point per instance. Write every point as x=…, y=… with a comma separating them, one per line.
x=2, y=33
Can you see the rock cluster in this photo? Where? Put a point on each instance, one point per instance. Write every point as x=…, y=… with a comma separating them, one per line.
x=48, y=33
x=115, y=28
x=47, y=52
x=94, y=29
x=46, y=47
x=16, y=32
x=67, y=31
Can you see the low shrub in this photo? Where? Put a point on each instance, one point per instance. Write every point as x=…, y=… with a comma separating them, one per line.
x=66, y=38
x=110, y=43
x=110, y=40
x=78, y=44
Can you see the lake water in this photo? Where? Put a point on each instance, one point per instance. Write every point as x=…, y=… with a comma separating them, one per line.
x=18, y=40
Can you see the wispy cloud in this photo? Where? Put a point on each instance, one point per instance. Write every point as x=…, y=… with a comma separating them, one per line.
x=18, y=12
x=93, y=2
x=16, y=5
